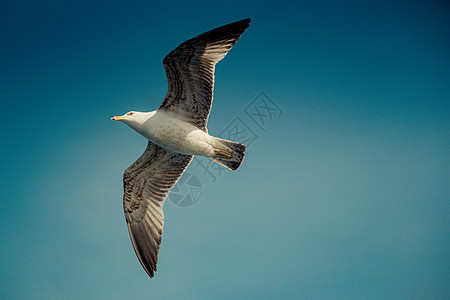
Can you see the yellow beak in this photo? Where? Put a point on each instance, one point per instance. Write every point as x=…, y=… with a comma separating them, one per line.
x=116, y=118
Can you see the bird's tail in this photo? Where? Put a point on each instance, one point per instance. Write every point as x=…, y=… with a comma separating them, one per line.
x=229, y=154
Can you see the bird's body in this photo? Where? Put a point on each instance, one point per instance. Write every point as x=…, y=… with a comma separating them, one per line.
x=175, y=133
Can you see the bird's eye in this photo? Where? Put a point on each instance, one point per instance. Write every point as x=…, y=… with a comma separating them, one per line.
x=130, y=113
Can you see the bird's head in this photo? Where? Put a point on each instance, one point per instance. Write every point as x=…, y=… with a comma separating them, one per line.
x=134, y=119
x=129, y=116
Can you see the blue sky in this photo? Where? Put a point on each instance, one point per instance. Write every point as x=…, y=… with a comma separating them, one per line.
x=344, y=192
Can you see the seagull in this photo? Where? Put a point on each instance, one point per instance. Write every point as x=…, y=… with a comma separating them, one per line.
x=176, y=131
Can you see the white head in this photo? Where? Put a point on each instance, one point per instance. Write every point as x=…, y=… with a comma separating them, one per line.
x=134, y=119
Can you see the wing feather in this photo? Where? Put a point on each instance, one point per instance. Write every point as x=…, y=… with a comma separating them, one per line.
x=147, y=182
x=190, y=72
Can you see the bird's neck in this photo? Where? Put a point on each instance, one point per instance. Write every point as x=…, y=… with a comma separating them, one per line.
x=140, y=121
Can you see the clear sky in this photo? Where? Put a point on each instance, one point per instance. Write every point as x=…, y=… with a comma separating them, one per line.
x=344, y=192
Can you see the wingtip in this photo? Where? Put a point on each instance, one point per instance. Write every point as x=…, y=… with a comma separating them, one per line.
x=151, y=273
x=242, y=24
x=245, y=22
x=239, y=26
x=150, y=270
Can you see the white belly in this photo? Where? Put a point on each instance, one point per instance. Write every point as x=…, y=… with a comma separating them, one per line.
x=177, y=136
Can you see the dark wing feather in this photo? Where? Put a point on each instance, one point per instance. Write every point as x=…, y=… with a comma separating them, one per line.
x=147, y=183
x=190, y=72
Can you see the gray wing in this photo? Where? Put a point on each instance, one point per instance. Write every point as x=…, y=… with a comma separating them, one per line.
x=147, y=183
x=190, y=72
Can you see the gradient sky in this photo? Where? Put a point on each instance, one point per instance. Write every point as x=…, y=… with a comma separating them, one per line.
x=343, y=194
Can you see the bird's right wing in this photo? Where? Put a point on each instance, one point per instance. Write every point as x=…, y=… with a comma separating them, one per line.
x=147, y=182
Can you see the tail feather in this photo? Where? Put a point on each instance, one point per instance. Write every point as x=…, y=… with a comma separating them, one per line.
x=237, y=154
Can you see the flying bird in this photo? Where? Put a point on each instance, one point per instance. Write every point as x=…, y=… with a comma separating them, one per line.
x=176, y=131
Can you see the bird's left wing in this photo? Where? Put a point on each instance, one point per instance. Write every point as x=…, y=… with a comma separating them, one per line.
x=190, y=72
x=147, y=182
